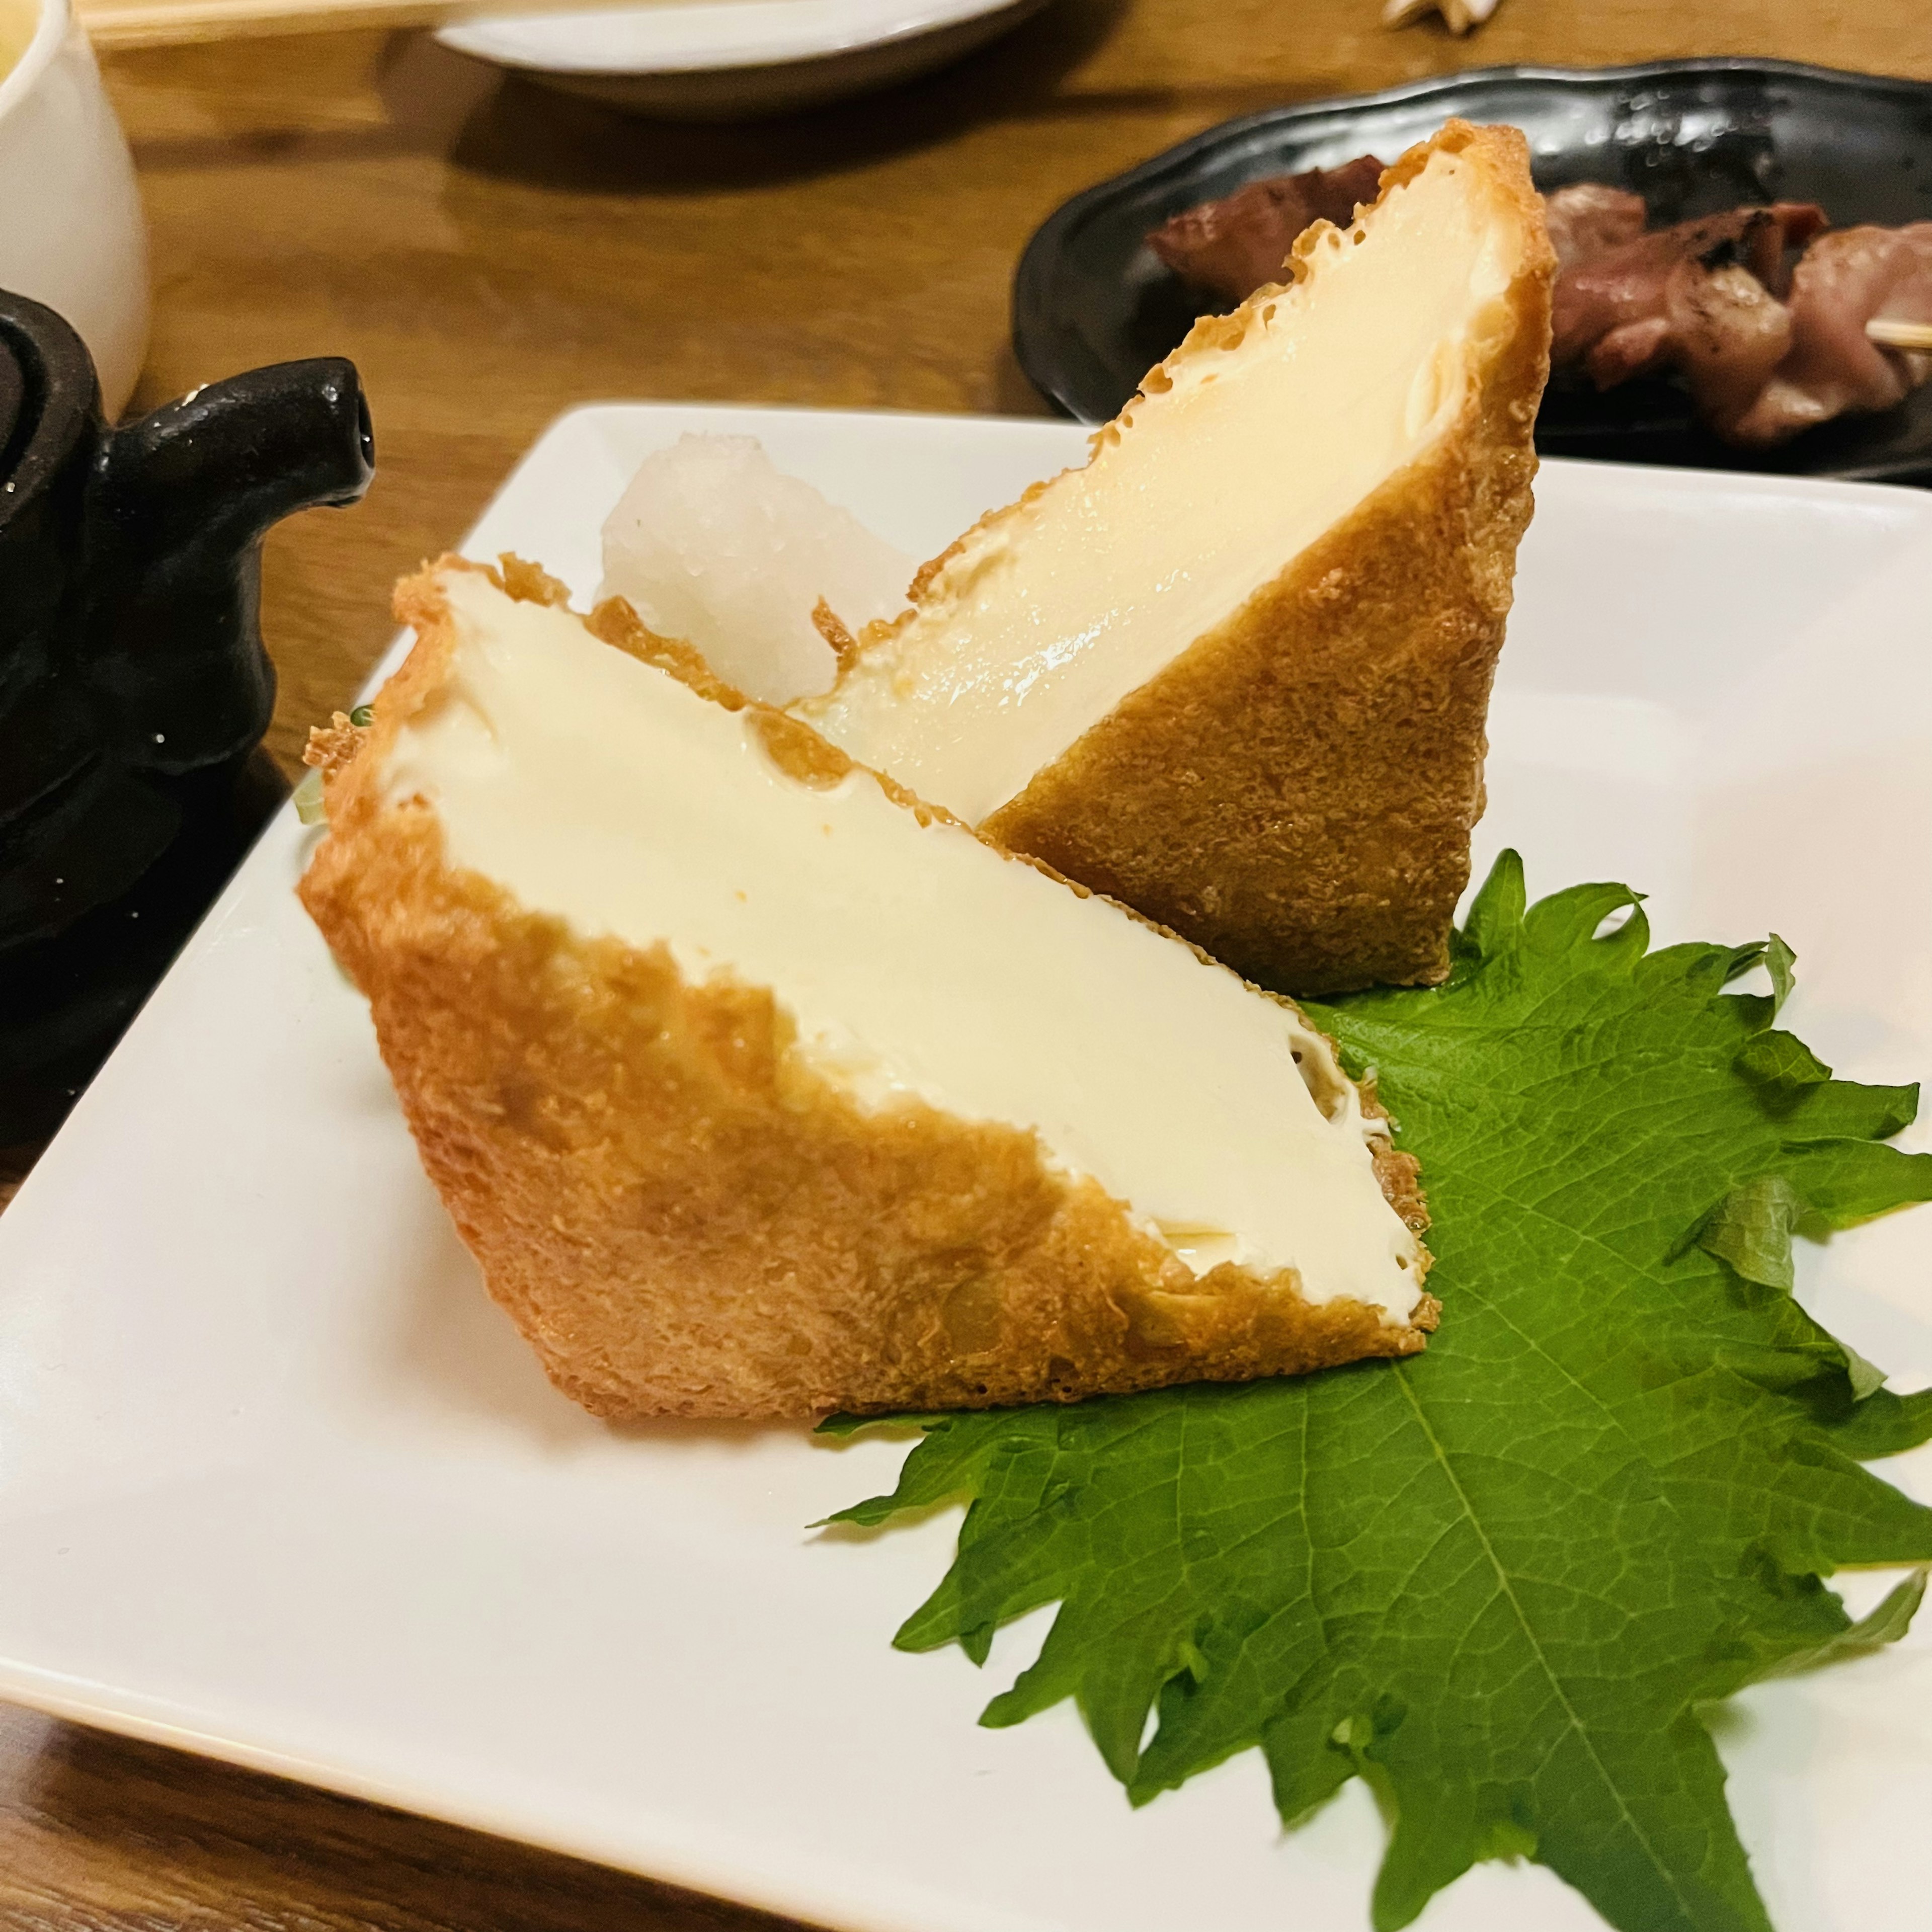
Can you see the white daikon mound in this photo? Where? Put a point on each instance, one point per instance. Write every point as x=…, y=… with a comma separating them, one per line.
x=712, y=543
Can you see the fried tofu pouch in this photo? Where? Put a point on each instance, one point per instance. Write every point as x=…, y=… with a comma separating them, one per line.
x=1235, y=672
x=691, y=1206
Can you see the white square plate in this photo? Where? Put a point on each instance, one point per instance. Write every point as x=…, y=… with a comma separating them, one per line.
x=278, y=1482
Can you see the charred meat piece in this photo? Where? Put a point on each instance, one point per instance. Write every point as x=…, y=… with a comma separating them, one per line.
x=1844, y=280
x=1699, y=300
x=1232, y=246
x=1590, y=217
x=1628, y=285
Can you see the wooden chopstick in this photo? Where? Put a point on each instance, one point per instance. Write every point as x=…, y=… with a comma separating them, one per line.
x=159, y=23
x=1889, y=334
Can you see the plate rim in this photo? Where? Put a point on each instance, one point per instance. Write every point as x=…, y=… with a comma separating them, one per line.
x=478, y=40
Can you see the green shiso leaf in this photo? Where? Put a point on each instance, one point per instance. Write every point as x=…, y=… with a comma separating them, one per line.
x=1751, y=1227
x=1779, y=959
x=1886, y=1625
x=1499, y=1580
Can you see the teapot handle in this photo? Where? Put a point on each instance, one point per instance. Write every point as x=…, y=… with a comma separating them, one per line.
x=177, y=505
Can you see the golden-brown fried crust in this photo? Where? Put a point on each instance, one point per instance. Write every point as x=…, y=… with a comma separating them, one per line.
x=1295, y=791
x=829, y=625
x=332, y=745
x=530, y=583
x=615, y=622
x=684, y=1218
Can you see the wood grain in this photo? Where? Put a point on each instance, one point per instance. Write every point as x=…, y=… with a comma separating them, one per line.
x=491, y=253
x=102, y=1832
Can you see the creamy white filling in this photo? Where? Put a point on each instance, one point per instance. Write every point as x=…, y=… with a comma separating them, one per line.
x=916, y=961
x=1045, y=620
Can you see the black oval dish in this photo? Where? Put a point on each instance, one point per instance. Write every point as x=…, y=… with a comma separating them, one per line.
x=1093, y=309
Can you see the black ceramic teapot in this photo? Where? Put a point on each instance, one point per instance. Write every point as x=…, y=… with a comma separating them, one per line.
x=134, y=690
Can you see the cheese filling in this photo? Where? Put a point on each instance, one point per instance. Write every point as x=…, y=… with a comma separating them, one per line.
x=1203, y=491
x=916, y=963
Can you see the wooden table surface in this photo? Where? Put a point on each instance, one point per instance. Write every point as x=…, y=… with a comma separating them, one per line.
x=489, y=254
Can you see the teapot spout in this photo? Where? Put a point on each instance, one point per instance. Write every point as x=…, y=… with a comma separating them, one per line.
x=178, y=504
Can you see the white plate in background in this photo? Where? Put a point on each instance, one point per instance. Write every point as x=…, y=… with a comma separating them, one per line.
x=727, y=60
x=278, y=1482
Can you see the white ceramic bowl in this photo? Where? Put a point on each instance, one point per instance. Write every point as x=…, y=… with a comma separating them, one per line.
x=71, y=231
x=733, y=60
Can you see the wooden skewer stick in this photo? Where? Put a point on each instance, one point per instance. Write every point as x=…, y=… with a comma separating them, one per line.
x=1890, y=333
x=159, y=23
